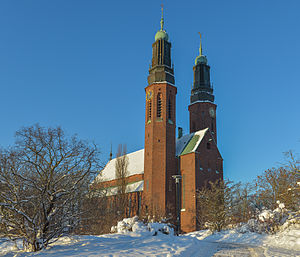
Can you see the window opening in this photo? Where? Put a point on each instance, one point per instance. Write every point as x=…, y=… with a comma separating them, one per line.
x=208, y=145
x=149, y=110
x=159, y=104
x=169, y=109
x=200, y=168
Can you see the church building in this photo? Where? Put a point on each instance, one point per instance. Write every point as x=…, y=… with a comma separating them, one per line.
x=195, y=156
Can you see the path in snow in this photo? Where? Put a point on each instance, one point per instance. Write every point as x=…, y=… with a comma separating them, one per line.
x=230, y=249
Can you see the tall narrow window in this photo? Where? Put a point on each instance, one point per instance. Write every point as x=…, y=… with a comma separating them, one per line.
x=212, y=125
x=159, y=103
x=149, y=110
x=208, y=146
x=169, y=109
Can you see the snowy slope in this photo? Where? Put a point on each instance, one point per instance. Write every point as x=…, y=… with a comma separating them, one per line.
x=141, y=242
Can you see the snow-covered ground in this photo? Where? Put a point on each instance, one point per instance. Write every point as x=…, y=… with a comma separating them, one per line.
x=141, y=242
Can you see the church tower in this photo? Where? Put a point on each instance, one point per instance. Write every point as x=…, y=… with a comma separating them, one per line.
x=202, y=108
x=160, y=124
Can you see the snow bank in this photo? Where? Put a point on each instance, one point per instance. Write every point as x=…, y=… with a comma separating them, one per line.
x=200, y=243
x=137, y=228
x=230, y=236
x=266, y=215
x=7, y=246
x=134, y=238
x=271, y=221
x=289, y=238
x=279, y=228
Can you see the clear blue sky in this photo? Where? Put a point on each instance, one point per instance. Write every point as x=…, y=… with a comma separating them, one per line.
x=83, y=65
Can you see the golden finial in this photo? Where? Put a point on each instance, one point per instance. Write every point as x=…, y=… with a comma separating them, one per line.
x=200, y=49
x=162, y=17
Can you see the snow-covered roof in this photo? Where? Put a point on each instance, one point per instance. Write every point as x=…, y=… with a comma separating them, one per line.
x=131, y=187
x=135, y=166
x=181, y=143
x=189, y=143
x=186, y=144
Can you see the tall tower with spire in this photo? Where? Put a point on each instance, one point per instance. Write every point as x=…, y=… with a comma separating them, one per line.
x=202, y=108
x=160, y=124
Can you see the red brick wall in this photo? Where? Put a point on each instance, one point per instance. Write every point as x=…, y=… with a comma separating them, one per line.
x=188, y=189
x=160, y=163
x=200, y=117
x=198, y=169
x=208, y=161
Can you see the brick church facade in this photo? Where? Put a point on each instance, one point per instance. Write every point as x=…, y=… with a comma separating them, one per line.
x=195, y=156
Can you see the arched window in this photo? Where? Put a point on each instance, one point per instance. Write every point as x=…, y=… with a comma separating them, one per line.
x=159, y=104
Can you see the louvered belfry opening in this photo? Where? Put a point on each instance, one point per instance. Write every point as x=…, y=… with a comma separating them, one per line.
x=159, y=105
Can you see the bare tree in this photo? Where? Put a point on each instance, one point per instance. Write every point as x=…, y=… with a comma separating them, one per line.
x=293, y=163
x=105, y=210
x=277, y=184
x=121, y=169
x=98, y=219
x=213, y=205
x=43, y=181
x=242, y=206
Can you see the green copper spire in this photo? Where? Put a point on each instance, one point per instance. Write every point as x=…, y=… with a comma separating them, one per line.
x=200, y=58
x=161, y=69
x=202, y=89
x=161, y=34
